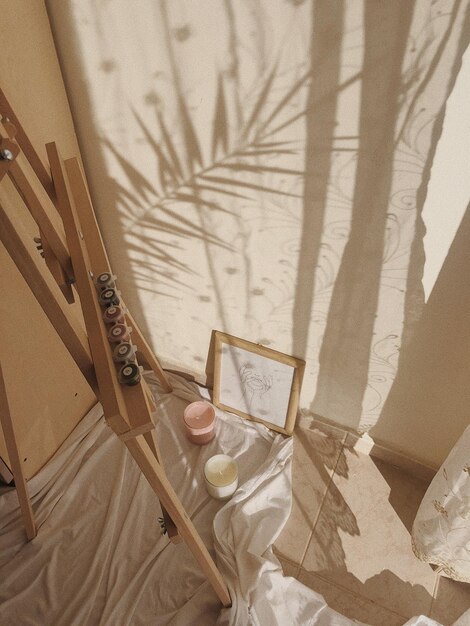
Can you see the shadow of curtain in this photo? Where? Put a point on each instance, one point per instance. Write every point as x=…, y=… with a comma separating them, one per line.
x=328, y=560
x=431, y=392
x=327, y=34
x=66, y=37
x=345, y=351
x=414, y=291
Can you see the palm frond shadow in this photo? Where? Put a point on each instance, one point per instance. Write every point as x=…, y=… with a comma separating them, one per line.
x=183, y=178
x=235, y=158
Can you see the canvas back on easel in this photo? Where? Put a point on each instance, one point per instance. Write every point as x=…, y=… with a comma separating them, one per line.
x=43, y=419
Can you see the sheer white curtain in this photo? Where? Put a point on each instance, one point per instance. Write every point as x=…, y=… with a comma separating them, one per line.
x=441, y=531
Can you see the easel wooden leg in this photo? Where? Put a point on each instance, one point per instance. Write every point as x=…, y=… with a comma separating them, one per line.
x=171, y=528
x=150, y=398
x=157, y=479
x=99, y=259
x=97, y=253
x=15, y=460
x=86, y=251
x=149, y=356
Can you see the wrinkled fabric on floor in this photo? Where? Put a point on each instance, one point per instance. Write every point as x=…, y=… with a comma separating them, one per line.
x=100, y=559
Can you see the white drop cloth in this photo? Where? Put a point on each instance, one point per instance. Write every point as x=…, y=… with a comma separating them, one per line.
x=99, y=557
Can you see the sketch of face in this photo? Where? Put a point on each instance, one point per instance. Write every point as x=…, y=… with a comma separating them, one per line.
x=253, y=383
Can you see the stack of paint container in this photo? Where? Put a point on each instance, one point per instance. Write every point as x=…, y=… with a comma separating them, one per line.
x=124, y=353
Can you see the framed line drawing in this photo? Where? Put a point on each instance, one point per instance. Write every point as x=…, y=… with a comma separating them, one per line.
x=256, y=382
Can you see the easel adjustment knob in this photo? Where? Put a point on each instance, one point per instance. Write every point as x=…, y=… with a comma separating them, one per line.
x=6, y=155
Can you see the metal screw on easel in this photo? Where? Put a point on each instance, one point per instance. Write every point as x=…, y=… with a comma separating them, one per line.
x=163, y=527
x=6, y=155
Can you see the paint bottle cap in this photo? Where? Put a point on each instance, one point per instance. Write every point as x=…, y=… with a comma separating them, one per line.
x=113, y=313
x=109, y=297
x=118, y=333
x=129, y=374
x=124, y=351
x=105, y=279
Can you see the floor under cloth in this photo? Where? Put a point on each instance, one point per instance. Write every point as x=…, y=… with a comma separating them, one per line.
x=99, y=557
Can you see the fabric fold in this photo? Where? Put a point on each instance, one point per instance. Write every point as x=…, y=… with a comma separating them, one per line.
x=99, y=557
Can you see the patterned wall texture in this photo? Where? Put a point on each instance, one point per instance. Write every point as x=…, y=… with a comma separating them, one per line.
x=260, y=166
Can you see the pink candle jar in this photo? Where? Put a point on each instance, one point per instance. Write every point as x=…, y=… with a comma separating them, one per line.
x=199, y=422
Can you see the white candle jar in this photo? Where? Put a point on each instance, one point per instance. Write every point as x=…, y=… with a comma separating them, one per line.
x=221, y=476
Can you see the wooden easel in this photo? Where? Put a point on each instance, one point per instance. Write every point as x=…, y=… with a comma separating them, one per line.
x=74, y=253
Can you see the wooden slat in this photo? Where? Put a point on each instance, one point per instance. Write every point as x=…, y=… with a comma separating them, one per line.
x=44, y=288
x=111, y=393
x=42, y=211
x=113, y=401
x=138, y=398
x=171, y=528
x=148, y=354
x=150, y=398
x=26, y=146
x=109, y=388
x=99, y=259
x=51, y=260
x=155, y=475
x=97, y=251
x=15, y=461
x=135, y=405
x=56, y=270
x=11, y=130
x=59, y=182
x=40, y=206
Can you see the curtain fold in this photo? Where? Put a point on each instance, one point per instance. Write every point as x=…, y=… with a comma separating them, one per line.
x=441, y=530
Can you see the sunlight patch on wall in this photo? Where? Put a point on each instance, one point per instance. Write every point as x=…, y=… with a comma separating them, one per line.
x=449, y=188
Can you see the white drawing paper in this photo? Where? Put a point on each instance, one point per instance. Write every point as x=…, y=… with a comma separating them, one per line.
x=255, y=385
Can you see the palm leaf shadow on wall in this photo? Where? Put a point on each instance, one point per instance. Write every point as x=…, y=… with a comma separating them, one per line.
x=246, y=159
x=240, y=158
x=357, y=364
x=345, y=351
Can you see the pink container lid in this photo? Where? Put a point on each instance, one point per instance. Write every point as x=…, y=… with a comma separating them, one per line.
x=199, y=417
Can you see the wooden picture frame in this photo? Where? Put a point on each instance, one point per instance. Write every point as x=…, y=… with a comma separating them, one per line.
x=256, y=382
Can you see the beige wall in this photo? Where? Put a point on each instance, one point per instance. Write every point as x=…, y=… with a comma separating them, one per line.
x=428, y=407
x=261, y=168
x=47, y=393
x=429, y=404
